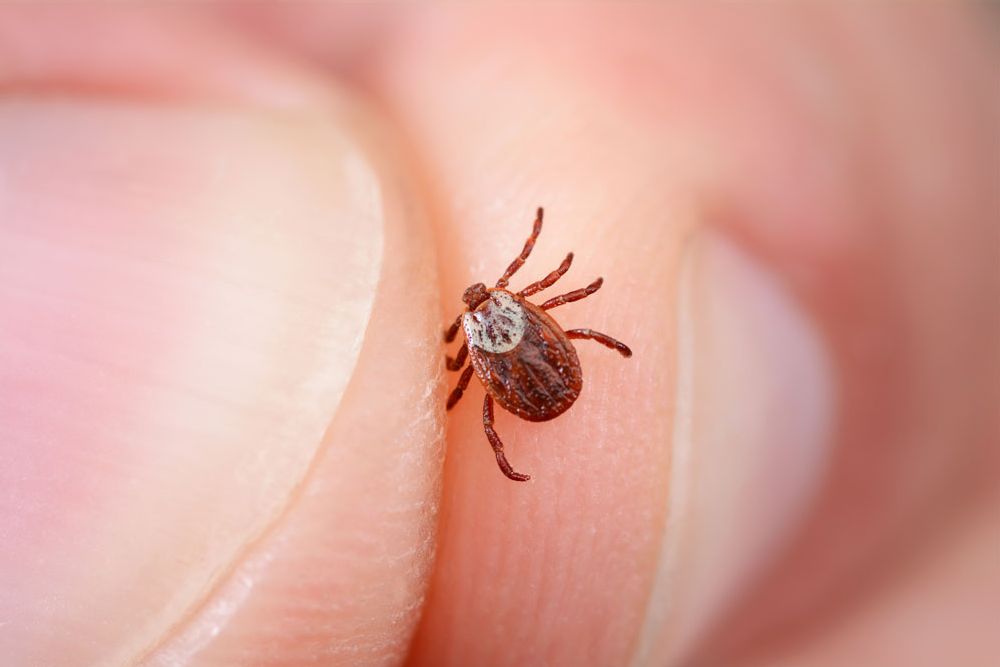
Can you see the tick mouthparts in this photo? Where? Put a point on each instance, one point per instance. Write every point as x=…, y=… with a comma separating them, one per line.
x=475, y=295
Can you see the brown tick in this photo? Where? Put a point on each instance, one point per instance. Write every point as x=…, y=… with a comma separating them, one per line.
x=521, y=355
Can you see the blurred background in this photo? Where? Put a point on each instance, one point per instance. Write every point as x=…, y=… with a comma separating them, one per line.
x=230, y=235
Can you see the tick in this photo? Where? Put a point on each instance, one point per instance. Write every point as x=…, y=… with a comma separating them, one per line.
x=521, y=355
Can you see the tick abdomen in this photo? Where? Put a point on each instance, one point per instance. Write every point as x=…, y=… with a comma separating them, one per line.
x=522, y=357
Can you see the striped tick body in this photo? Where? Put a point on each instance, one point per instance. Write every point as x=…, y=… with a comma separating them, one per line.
x=523, y=358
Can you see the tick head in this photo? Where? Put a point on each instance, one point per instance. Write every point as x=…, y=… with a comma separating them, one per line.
x=475, y=295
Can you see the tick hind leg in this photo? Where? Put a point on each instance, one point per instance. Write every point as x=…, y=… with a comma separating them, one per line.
x=449, y=335
x=452, y=331
x=528, y=245
x=459, y=360
x=603, y=339
x=463, y=383
x=497, y=444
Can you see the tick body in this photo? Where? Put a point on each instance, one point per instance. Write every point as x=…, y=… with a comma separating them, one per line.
x=523, y=358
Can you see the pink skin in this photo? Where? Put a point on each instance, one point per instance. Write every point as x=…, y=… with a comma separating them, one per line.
x=199, y=461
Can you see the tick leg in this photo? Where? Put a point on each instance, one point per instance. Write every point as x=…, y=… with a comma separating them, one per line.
x=528, y=245
x=459, y=389
x=603, y=339
x=497, y=445
x=575, y=295
x=459, y=360
x=452, y=331
x=550, y=279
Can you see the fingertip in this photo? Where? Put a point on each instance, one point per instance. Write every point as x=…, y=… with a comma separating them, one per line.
x=192, y=295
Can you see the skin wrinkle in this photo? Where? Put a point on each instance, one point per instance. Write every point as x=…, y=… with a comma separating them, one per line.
x=130, y=53
x=233, y=585
x=657, y=604
x=408, y=472
x=220, y=609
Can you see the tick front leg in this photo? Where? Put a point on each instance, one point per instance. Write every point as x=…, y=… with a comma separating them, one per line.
x=497, y=445
x=575, y=295
x=463, y=383
x=459, y=360
x=452, y=331
x=528, y=245
x=603, y=339
x=550, y=279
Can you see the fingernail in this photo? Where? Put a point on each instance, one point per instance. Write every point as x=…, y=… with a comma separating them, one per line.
x=751, y=440
x=183, y=296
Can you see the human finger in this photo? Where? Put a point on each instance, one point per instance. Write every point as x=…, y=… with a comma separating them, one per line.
x=744, y=181
x=212, y=271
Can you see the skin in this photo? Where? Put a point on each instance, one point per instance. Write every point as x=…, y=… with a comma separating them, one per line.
x=160, y=351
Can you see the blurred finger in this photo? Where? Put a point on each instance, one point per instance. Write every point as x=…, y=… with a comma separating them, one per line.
x=748, y=194
x=196, y=265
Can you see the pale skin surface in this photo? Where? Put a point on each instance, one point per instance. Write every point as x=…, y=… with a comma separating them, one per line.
x=223, y=283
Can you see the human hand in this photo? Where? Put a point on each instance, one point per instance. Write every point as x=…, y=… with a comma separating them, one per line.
x=229, y=240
